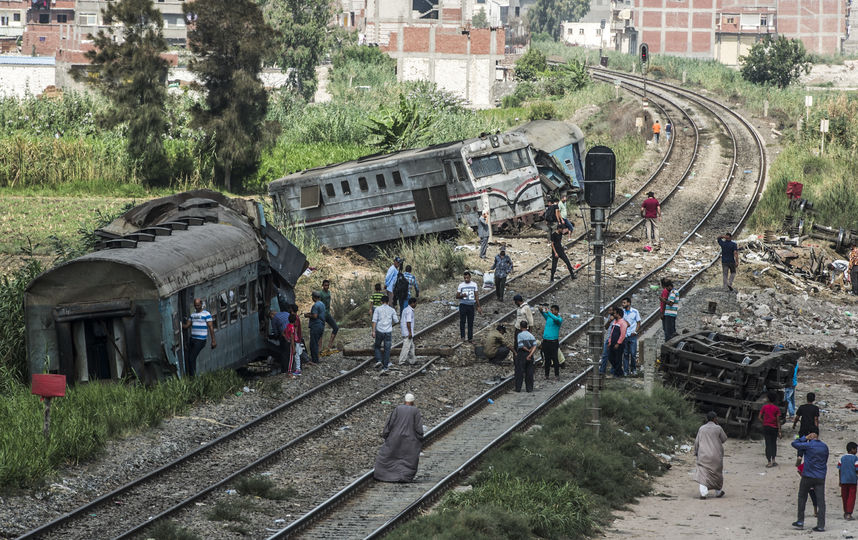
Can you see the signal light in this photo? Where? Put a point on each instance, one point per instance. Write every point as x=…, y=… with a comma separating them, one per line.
x=644, y=53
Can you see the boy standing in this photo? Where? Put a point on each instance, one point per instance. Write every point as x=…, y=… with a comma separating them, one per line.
x=468, y=297
x=375, y=299
x=848, y=478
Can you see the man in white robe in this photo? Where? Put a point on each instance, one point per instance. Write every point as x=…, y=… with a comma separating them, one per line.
x=709, y=450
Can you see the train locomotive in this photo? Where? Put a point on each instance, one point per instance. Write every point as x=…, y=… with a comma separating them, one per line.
x=118, y=311
x=428, y=190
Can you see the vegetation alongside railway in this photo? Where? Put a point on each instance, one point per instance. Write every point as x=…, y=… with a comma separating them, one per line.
x=561, y=481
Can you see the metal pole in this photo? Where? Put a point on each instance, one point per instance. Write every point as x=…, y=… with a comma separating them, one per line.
x=596, y=336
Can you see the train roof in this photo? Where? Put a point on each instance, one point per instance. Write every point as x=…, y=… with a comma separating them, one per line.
x=551, y=135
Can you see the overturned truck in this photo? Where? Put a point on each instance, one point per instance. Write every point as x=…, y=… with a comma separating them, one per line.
x=727, y=375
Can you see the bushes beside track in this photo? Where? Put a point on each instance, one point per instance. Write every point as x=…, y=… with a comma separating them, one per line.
x=561, y=481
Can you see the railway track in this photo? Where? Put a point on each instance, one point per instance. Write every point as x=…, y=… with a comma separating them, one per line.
x=117, y=520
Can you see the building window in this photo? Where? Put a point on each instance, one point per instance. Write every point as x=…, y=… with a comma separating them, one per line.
x=16, y=17
x=764, y=20
x=598, y=31
x=329, y=189
x=379, y=179
x=44, y=18
x=730, y=20
x=347, y=189
x=397, y=178
x=62, y=18
x=87, y=19
x=4, y=21
x=362, y=183
x=580, y=31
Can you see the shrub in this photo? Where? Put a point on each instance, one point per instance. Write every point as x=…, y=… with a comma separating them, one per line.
x=432, y=259
x=511, y=100
x=530, y=65
x=542, y=111
x=262, y=486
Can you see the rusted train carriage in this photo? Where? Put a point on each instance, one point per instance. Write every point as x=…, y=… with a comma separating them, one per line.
x=387, y=196
x=119, y=310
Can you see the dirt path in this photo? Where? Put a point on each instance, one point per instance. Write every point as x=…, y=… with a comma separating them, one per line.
x=760, y=503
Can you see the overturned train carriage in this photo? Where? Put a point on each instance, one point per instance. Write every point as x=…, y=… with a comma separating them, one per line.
x=118, y=311
x=726, y=374
x=388, y=196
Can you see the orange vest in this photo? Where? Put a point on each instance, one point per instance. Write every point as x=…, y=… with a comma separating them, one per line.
x=656, y=128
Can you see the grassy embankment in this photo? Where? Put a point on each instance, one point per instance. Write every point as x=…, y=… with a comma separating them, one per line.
x=560, y=481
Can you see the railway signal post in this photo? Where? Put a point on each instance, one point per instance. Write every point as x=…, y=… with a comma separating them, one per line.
x=599, y=179
x=644, y=65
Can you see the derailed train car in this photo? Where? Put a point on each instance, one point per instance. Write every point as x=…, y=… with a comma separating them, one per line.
x=427, y=190
x=118, y=311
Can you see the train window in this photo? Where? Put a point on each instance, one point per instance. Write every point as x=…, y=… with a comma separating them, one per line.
x=347, y=189
x=329, y=189
x=254, y=302
x=223, y=306
x=448, y=172
x=211, y=308
x=233, y=307
x=460, y=171
x=515, y=159
x=486, y=166
x=362, y=183
x=379, y=179
x=242, y=300
x=310, y=197
x=397, y=178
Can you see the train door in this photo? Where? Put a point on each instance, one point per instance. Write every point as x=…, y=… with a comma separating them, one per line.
x=181, y=337
x=93, y=340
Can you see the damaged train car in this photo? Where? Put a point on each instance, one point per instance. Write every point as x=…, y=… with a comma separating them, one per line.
x=429, y=190
x=726, y=374
x=118, y=311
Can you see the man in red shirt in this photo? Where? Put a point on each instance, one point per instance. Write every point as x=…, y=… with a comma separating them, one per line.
x=651, y=212
x=770, y=418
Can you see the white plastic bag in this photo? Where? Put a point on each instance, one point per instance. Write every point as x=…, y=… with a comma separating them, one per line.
x=488, y=280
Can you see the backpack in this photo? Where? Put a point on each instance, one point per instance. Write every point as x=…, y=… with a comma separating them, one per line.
x=400, y=288
x=550, y=214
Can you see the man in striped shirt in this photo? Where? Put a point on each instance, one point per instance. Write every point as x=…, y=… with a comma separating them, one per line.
x=200, y=324
x=671, y=306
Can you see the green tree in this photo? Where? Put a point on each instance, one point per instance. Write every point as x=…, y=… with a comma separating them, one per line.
x=547, y=15
x=530, y=65
x=776, y=62
x=130, y=71
x=479, y=20
x=228, y=39
x=302, y=38
x=403, y=127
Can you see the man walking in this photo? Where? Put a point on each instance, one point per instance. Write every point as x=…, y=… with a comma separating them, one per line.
x=317, y=325
x=399, y=456
x=390, y=277
x=325, y=294
x=709, y=451
x=671, y=307
x=656, y=131
x=563, y=214
x=502, y=267
x=468, y=295
x=407, y=354
x=729, y=259
x=383, y=319
x=651, y=212
x=200, y=323
x=630, y=354
x=483, y=232
x=812, y=477
x=853, y=268
x=559, y=253
x=668, y=129
x=412, y=283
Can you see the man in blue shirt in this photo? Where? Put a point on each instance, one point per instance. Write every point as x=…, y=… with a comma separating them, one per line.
x=813, y=477
x=200, y=323
x=630, y=354
x=317, y=325
x=412, y=284
x=551, y=339
x=729, y=259
x=390, y=277
x=502, y=267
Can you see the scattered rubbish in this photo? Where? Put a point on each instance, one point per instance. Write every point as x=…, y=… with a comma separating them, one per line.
x=647, y=428
x=238, y=394
x=280, y=520
x=490, y=401
x=647, y=248
x=343, y=371
x=231, y=492
x=345, y=428
x=246, y=389
x=385, y=403
x=685, y=448
x=748, y=171
x=627, y=195
x=469, y=248
x=623, y=432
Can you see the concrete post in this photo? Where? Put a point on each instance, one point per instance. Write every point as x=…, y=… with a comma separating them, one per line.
x=649, y=353
x=766, y=109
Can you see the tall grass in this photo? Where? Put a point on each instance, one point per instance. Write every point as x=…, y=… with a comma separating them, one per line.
x=561, y=481
x=432, y=260
x=87, y=417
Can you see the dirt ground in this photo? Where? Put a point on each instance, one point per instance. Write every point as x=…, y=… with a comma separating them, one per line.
x=759, y=503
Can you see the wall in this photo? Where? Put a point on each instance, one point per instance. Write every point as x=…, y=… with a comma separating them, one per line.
x=586, y=34
x=19, y=77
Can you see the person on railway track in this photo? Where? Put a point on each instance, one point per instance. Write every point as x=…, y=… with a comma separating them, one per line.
x=502, y=267
x=668, y=131
x=399, y=456
x=847, y=465
x=495, y=345
x=709, y=451
x=329, y=318
x=651, y=212
x=469, y=298
x=375, y=299
x=630, y=352
x=656, y=131
x=558, y=252
x=551, y=339
x=390, y=277
x=770, y=418
x=383, y=320
x=300, y=346
x=853, y=268
x=412, y=284
x=200, y=323
x=525, y=348
x=317, y=325
x=407, y=353
x=729, y=259
x=812, y=477
x=290, y=336
x=671, y=308
x=279, y=320
x=606, y=351
x=616, y=337
x=483, y=233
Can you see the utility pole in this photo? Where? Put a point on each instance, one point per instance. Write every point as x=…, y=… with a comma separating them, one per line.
x=644, y=65
x=599, y=179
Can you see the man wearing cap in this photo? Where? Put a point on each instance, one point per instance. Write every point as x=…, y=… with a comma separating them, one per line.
x=495, y=345
x=403, y=439
x=651, y=212
x=390, y=277
x=709, y=451
x=502, y=267
x=317, y=325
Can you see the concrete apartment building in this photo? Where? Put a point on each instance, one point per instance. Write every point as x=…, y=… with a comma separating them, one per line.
x=13, y=17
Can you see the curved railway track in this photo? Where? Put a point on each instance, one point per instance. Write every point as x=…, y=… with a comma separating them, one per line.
x=114, y=520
